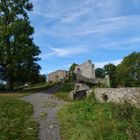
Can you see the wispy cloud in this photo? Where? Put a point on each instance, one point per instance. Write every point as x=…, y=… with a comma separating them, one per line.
x=65, y=52
x=103, y=26
x=121, y=44
x=81, y=18
x=93, y=28
x=76, y=17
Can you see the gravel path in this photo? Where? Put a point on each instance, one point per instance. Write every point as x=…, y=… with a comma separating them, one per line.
x=45, y=108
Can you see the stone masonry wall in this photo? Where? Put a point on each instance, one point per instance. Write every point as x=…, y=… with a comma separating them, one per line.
x=86, y=69
x=57, y=75
x=119, y=95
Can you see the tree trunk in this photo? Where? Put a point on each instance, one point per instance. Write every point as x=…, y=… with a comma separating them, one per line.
x=9, y=81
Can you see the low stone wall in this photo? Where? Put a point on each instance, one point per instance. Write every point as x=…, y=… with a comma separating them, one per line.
x=118, y=95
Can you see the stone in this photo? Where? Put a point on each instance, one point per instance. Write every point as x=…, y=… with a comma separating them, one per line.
x=57, y=76
x=119, y=95
x=86, y=73
x=81, y=91
x=86, y=69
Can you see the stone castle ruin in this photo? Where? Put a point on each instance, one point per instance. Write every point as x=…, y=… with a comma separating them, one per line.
x=86, y=69
x=57, y=76
x=86, y=73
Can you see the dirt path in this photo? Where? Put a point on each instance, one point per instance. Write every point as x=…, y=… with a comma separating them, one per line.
x=45, y=109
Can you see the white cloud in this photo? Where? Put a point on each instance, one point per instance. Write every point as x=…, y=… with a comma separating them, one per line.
x=65, y=52
x=77, y=18
x=101, y=64
x=118, y=44
x=103, y=26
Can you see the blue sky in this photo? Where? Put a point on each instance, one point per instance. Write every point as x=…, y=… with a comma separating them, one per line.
x=69, y=31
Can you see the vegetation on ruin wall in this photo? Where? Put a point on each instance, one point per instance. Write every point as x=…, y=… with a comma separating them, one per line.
x=90, y=120
x=16, y=120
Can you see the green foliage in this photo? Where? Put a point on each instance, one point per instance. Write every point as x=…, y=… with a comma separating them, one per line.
x=72, y=76
x=124, y=112
x=90, y=120
x=128, y=72
x=67, y=87
x=72, y=67
x=63, y=93
x=16, y=120
x=18, y=53
x=110, y=69
x=63, y=96
x=101, y=85
x=99, y=72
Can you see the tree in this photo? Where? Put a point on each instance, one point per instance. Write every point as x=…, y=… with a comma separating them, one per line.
x=110, y=69
x=99, y=72
x=72, y=76
x=18, y=53
x=128, y=72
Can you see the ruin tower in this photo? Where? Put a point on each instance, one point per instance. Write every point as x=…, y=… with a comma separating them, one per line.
x=86, y=70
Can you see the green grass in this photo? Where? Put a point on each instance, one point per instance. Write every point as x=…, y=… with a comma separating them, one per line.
x=63, y=96
x=63, y=93
x=90, y=120
x=16, y=121
x=30, y=89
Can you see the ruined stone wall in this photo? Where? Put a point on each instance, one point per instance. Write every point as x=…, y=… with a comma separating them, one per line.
x=86, y=69
x=118, y=95
x=57, y=76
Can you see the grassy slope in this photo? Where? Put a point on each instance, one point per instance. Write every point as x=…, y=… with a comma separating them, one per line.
x=63, y=93
x=90, y=120
x=16, y=120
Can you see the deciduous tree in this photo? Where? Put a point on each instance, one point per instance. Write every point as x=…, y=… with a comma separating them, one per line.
x=100, y=73
x=128, y=72
x=18, y=53
x=110, y=69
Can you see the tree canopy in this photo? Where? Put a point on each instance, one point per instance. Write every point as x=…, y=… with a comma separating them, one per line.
x=128, y=72
x=18, y=53
x=72, y=76
x=99, y=72
x=110, y=69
